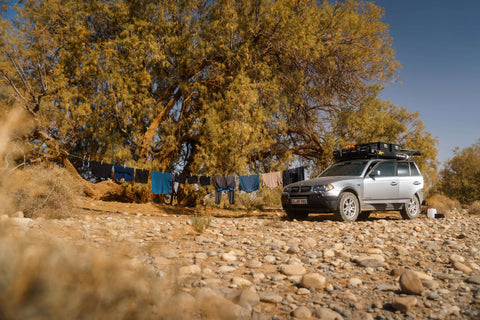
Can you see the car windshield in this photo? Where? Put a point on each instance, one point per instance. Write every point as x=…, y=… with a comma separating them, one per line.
x=349, y=168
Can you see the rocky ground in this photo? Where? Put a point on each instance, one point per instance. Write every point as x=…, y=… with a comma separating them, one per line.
x=261, y=266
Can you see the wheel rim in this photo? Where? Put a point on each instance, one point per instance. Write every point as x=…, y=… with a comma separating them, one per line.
x=349, y=207
x=412, y=208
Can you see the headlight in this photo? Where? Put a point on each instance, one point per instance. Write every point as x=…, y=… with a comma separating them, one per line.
x=322, y=188
x=285, y=190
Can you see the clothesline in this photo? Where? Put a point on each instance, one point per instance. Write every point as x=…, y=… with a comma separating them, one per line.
x=162, y=182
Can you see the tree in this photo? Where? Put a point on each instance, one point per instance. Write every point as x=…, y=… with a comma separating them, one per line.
x=460, y=179
x=210, y=87
x=377, y=120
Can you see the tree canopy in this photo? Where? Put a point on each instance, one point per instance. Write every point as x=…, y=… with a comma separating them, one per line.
x=212, y=87
x=460, y=179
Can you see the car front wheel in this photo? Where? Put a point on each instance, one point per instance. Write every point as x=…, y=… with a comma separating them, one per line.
x=411, y=210
x=348, y=207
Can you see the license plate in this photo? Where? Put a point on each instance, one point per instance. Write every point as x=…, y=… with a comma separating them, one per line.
x=299, y=201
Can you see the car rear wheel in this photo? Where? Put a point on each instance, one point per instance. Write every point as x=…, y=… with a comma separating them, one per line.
x=299, y=215
x=348, y=207
x=411, y=210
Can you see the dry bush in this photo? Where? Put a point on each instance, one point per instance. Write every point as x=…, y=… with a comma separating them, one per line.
x=38, y=191
x=443, y=204
x=50, y=280
x=200, y=223
x=474, y=208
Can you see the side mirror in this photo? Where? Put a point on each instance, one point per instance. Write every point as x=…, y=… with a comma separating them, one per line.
x=374, y=173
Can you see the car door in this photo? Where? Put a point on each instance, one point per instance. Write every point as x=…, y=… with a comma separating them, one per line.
x=410, y=180
x=381, y=185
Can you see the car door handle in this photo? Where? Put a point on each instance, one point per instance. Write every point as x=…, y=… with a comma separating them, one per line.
x=393, y=183
x=416, y=183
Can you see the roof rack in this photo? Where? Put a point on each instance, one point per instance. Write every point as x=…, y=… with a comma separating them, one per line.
x=374, y=150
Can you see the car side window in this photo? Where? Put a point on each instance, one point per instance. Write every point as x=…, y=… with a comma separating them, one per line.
x=386, y=169
x=403, y=169
x=414, y=169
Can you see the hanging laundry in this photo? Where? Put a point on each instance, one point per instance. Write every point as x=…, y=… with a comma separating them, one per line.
x=141, y=176
x=293, y=175
x=180, y=177
x=101, y=170
x=125, y=173
x=161, y=182
x=205, y=181
x=272, y=179
x=192, y=179
x=249, y=183
x=224, y=184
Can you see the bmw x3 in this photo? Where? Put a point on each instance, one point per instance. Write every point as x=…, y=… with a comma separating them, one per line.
x=355, y=187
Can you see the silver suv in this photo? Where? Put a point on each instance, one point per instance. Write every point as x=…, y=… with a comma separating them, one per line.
x=352, y=189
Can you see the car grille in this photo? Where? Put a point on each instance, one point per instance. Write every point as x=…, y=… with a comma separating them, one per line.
x=300, y=189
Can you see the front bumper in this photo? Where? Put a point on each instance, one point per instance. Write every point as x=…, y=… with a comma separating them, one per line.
x=312, y=202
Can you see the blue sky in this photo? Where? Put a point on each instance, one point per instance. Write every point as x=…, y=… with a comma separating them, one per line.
x=438, y=44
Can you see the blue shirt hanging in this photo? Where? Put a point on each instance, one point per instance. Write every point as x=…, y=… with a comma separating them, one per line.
x=249, y=183
x=161, y=182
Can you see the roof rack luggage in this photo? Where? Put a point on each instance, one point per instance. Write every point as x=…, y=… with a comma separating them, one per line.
x=374, y=150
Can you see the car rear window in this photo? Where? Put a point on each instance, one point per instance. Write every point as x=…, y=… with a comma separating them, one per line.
x=414, y=169
x=350, y=168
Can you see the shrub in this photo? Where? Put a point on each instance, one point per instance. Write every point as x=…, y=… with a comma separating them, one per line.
x=40, y=191
x=200, y=223
x=460, y=179
x=51, y=280
x=474, y=208
x=443, y=204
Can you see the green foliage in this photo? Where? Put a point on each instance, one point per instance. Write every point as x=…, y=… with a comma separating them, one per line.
x=215, y=87
x=460, y=179
x=377, y=120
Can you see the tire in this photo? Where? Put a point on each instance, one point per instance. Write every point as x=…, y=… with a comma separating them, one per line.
x=411, y=210
x=299, y=215
x=348, y=207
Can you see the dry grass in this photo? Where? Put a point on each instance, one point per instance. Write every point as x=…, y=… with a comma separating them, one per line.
x=200, y=223
x=49, y=280
x=443, y=204
x=38, y=191
x=474, y=208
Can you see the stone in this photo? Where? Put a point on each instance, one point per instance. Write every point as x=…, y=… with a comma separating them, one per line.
x=355, y=282
x=462, y=267
x=292, y=269
x=314, y=280
x=229, y=257
x=474, y=279
x=248, y=296
x=303, y=291
x=270, y=297
x=327, y=314
x=328, y=253
x=188, y=271
x=360, y=315
x=302, y=313
x=347, y=296
x=404, y=304
x=241, y=282
x=253, y=264
x=456, y=258
x=410, y=283
x=169, y=254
